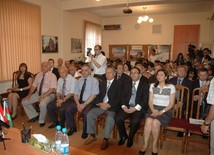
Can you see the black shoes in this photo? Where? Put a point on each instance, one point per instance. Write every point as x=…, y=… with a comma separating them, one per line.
x=130, y=142
x=41, y=124
x=14, y=117
x=142, y=153
x=71, y=131
x=84, y=135
x=122, y=141
x=154, y=153
x=53, y=125
x=33, y=119
x=180, y=134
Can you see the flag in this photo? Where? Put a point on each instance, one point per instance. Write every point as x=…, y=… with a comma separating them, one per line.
x=7, y=114
x=2, y=117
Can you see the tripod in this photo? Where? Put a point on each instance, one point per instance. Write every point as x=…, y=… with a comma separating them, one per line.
x=3, y=139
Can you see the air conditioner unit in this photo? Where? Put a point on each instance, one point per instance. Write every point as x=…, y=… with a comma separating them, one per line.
x=112, y=27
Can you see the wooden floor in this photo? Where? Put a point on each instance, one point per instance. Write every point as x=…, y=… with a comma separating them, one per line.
x=171, y=147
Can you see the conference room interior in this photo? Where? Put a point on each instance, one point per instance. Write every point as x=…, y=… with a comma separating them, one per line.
x=175, y=25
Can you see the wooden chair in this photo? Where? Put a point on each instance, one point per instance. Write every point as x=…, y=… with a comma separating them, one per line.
x=194, y=129
x=179, y=122
x=101, y=122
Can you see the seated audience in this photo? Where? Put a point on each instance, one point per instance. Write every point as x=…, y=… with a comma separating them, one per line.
x=127, y=68
x=152, y=78
x=67, y=64
x=24, y=81
x=73, y=72
x=64, y=102
x=134, y=105
x=108, y=102
x=161, y=101
x=53, y=69
x=86, y=89
x=45, y=82
x=59, y=62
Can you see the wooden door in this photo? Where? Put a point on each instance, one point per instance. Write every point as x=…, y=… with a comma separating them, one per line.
x=183, y=36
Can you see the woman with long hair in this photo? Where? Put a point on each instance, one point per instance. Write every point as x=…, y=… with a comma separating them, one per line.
x=161, y=101
x=24, y=82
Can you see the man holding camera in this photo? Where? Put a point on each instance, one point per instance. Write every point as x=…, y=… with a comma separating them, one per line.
x=98, y=63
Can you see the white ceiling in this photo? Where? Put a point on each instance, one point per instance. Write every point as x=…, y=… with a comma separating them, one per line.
x=109, y=8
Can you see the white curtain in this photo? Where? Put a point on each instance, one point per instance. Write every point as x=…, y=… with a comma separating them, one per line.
x=92, y=35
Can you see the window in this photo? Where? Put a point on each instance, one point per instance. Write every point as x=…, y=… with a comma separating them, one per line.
x=92, y=35
x=20, y=37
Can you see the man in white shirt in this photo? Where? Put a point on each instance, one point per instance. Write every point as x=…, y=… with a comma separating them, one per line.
x=205, y=128
x=98, y=63
x=64, y=101
x=153, y=56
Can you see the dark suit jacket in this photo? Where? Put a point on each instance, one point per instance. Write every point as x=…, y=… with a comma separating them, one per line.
x=124, y=78
x=55, y=71
x=196, y=84
x=186, y=82
x=152, y=79
x=114, y=94
x=141, y=97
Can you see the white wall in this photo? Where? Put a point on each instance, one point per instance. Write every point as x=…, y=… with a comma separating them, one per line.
x=73, y=27
x=130, y=35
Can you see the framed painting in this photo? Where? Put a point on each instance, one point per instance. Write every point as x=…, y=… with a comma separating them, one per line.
x=136, y=52
x=49, y=44
x=76, y=45
x=117, y=51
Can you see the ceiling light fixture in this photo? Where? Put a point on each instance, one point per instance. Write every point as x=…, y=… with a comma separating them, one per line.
x=144, y=18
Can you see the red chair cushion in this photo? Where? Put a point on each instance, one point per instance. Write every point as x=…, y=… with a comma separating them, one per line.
x=179, y=123
x=194, y=127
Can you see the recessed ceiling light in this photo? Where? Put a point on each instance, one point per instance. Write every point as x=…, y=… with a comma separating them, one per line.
x=97, y=0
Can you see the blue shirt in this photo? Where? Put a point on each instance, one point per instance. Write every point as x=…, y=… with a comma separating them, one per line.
x=91, y=88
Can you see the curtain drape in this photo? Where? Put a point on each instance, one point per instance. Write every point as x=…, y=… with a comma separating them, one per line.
x=92, y=35
x=20, y=37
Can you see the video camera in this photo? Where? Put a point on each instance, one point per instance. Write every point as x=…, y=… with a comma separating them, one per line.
x=88, y=51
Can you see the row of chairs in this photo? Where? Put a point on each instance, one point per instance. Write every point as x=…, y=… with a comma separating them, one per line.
x=179, y=122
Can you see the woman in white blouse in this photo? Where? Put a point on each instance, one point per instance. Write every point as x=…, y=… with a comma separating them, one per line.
x=161, y=101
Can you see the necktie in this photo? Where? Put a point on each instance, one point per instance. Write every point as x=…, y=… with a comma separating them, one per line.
x=82, y=91
x=41, y=85
x=118, y=76
x=63, y=89
x=179, y=81
x=105, y=100
x=133, y=97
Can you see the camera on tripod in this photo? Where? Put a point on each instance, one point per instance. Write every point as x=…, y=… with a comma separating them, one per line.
x=88, y=51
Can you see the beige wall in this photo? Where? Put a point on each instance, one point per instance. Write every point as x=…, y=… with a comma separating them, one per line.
x=130, y=35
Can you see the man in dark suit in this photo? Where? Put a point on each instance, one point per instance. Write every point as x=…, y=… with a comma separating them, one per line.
x=200, y=82
x=108, y=102
x=143, y=78
x=53, y=69
x=134, y=105
x=182, y=80
x=121, y=76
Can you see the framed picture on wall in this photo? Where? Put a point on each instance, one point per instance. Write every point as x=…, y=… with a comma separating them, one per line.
x=162, y=51
x=117, y=51
x=76, y=45
x=49, y=44
x=136, y=52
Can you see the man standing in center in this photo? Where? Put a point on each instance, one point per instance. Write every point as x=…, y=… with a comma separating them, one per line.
x=108, y=102
x=134, y=105
x=98, y=63
x=86, y=89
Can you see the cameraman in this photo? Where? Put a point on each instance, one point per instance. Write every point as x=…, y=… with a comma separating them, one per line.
x=98, y=63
